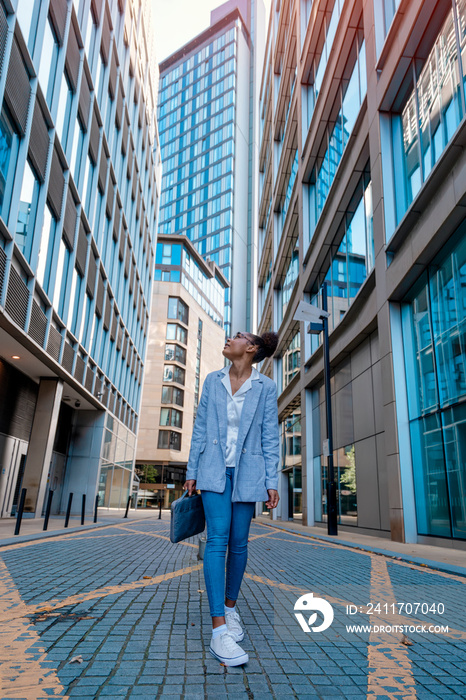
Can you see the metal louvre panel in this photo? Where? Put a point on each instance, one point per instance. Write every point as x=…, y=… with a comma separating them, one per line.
x=79, y=369
x=68, y=357
x=106, y=35
x=136, y=88
x=127, y=259
x=98, y=385
x=103, y=170
x=2, y=269
x=125, y=345
x=39, y=142
x=3, y=35
x=89, y=378
x=129, y=165
x=112, y=79
x=110, y=196
x=91, y=274
x=132, y=273
x=81, y=250
x=138, y=204
x=99, y=299
x=116, y=222
x=108, y=311
x=141, y=113
x=119, y=107
x=17, y=298
x=94, y=137
x=69, y=222
x=56, y=185
x=140, y=306
x=58, y=10
x=132, y=56
x=121, y=248
x=119, y=336
x=136, y=293
x=134, y=183
x=84, y=102
x=97, y=10
x=129, y=356
x=72, y=59
x=124, y=138
x=17, y=88
x=144, y=135
x=37, y=324
x=54, y=343
x=113, y=329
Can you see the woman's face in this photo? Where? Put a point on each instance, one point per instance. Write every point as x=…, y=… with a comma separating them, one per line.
x=236, y=347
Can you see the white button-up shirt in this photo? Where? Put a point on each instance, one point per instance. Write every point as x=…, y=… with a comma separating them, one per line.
x=234, y=409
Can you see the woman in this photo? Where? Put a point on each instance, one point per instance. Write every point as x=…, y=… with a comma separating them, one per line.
x=233, y=461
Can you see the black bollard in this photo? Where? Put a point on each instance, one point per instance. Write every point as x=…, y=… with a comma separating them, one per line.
x=160, y=508
x=83, y=508
x=68, y=510
x=127, y=507
x=19, y=516
x=95, y=507
x=47, y=510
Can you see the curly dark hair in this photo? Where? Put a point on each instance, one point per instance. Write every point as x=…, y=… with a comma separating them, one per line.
x=267, y=344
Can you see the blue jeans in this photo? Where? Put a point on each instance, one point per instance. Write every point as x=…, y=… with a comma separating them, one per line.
x=227, y=524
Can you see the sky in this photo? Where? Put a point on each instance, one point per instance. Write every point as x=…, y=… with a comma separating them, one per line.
x=178, y=21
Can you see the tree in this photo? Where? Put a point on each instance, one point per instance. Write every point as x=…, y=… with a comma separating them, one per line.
x=348, y=475
x=147, y=473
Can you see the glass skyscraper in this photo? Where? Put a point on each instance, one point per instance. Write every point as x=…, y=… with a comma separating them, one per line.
x=79, y=171
x=207, y=126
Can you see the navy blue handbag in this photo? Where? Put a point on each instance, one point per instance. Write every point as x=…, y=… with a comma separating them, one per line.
x=187, y=517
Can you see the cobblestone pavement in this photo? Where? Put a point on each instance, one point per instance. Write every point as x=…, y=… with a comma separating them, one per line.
x=120, y=612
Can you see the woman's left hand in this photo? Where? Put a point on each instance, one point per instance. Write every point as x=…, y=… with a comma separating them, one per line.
x=273, y=499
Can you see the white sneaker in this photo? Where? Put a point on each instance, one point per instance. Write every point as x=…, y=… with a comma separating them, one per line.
x=226, y=650
x=235, y=630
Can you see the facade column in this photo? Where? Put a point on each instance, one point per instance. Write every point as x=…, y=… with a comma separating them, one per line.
x=40, y=448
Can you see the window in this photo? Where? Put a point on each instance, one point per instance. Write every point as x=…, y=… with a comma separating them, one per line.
x=46, y=249
x=64, y=107
x=421, y=131
x=170, y=416
x=175, y=352
x=178, y=309
x=8, y=149
x=169, y=440
x=61, y=277
x=291, y=359
x=172, y=373
x=433, y=323
x=27, y=209
x=171, y=394
x=176, y=332
x=48, y=61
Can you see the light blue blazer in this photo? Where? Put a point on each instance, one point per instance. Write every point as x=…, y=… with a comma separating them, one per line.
x=257, y=449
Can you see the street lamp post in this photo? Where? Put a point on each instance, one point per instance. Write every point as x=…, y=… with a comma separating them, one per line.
x=318, y=322
x=332, y=527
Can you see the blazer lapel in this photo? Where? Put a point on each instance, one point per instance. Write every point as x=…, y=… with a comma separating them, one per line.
x=221, y=406
x=247, y=414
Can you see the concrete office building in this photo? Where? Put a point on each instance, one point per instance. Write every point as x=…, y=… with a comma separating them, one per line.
x=363, y=194
x=209, y=140
x=185, y=343
x=79, y=182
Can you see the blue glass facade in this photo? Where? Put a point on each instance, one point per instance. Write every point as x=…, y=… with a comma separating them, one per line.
x=434, y=334
x=197, y=116
x=79, y=163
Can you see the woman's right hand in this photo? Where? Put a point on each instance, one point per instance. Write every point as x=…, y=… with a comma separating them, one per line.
x=190, y=486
